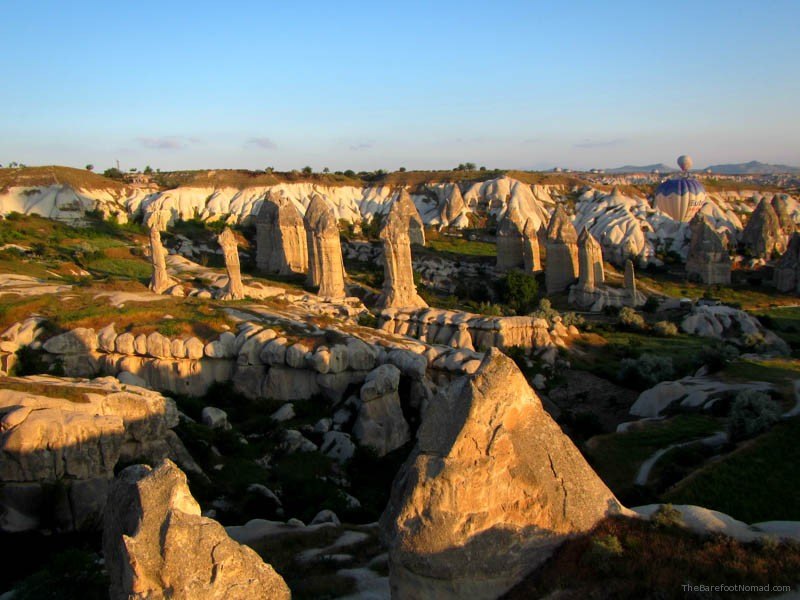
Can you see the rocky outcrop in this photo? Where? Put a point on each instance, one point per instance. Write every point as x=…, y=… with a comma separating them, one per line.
x=380, y=424
x=280, y=236
x=453, y=211
x=561, y=268
x=492, y=487
x=406, y=209
x=531, y=257
x=589, y=289
x=510, y=241
x=708, y=260
x=325, y=263
x=60, y=440
x=733, y=325
x=763, y=234
x=787, y=272
x=156, y=222
x=233, y=290
x=399, y=289
x=157, y=545
x=780, y=204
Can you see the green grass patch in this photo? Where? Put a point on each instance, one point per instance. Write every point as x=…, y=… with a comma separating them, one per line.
x=781, y=372
x=617, y=456
x=758, y=482
x=462, y=246
x=785, y=321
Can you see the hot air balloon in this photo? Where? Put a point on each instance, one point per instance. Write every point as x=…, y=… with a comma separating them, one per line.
x=685, y=162
x=680, y=198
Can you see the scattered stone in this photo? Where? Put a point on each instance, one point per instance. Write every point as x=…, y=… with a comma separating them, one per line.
x=215, y=418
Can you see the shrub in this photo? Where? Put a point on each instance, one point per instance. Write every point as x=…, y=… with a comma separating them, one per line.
x=519, y=290
x=545, y=311
x=630, y=319
x=717, y=355
x=367, y=319
x=754, y=342
x=646, y=370
x=665, y=329
x=753, y=412
x=667, y=516
x=572, y=318
x=602, y=553
x=651, y=304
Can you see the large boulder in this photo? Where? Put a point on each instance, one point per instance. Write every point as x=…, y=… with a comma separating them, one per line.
x=380, y=424
x=491, y=488
x=156, y=545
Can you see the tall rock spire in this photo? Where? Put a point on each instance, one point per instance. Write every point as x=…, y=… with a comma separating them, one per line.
x=561, y=268
x=280, y=237
x=325, y=263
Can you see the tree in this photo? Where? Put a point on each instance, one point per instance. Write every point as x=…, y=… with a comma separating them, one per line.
x=269, y=169
x=519, y=291
x=326, y=170
x=90, y=167
x=349, y=173
x=148, y=169
x=307, y=170
x=402, y=169
x=113, y=173
x=469, y=166
x=133, y=169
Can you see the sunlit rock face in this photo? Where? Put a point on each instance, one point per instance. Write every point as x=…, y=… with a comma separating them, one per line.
x=234, y=290
x=531, y=257
x=561, y=268
x=763, y=233
x=399, y=290
x=156, y=222
x=156, y=545
x=280, y=237
x=325, y=263
x=708, y=260
x=787, y=271
x=491, y=488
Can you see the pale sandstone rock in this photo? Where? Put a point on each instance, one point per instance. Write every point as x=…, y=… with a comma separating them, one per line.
x=106, y=338
x=281, y=241
x=492, y=487
x=325, y=263
x=234, y=289
x=763, y=234
x=510, y=240
x=157, y=221
x=194, y=348
x=561, y=269
x=380, y=424
x=398, y=277
x=156, y=545
x=125, y=344
x=708, y=260
x=786, y=276
x=77, y=341
x=414, y=225
x=531, y=256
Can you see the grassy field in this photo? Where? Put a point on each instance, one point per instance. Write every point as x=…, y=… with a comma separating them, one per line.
x=758, y=482
x=462, y=247
x=785, y=321
x=781, y=372
x=617, y=456
x=54, y=175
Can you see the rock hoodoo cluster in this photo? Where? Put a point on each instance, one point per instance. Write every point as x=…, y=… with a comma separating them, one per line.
x=325, y=263
x=561, y=267
x=763, y=233
x=60, y=440
x=156, y=222
x=234, y=290
x=708, y=260
x=399, y=289
x=280, y=237
x=157, y=545
x=491, y=488
x=787, y=271
x=453, y=211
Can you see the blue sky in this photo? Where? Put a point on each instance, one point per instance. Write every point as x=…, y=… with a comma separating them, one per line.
x=382, y=85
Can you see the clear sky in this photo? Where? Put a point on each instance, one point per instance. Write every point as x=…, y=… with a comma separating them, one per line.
x=367, y=85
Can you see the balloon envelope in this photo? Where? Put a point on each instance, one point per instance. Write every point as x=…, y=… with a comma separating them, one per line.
x=685, y=162
x=680, y=198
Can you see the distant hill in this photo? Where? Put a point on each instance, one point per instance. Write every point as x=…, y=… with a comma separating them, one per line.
x=660, y=167
x=752, y=168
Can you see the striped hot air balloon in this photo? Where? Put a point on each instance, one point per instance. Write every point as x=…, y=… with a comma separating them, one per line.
x=680, y=198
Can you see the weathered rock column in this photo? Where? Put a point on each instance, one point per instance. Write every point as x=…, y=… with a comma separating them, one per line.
x=453, y=210
x=325, y=263
x=280, y=237
x=156, y=221
x=763, y=234
x=399, y=290
x=630, y=282
x=416, y=228
x=708, y=259
x=530, y=248
x=787, y=271
x=590, y=262
x=234, y=290
x=561, y=269
x=510, y=241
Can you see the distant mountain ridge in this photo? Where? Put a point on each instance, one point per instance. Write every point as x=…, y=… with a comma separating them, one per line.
x=660, y=167
x=753, y=167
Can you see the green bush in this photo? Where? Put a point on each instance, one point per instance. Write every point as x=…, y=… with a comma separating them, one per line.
x=753, y=412
x=667, y=516
x=630, y=319
x=519, y=291
x=545, y=311
x=665, y=329
x=646, y=370
x=716, y=356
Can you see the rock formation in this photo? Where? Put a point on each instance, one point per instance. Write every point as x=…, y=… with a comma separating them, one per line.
x=780, y=205
x=281, y=237
x=68, y=435
x=763, y=234
x=787, y=271
x=156, y=221
x=708, y=260
x=531, y=257
x=491, y=488
x=453, y=212
x=510, y=241
x=590, y=261
x=561, y=269
x=733, y=325
x=408, y=210
x=630, y=281
x=234, y=290
x=399, y=289
x=325, y=263
x=380, y=424
x=156, y=545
